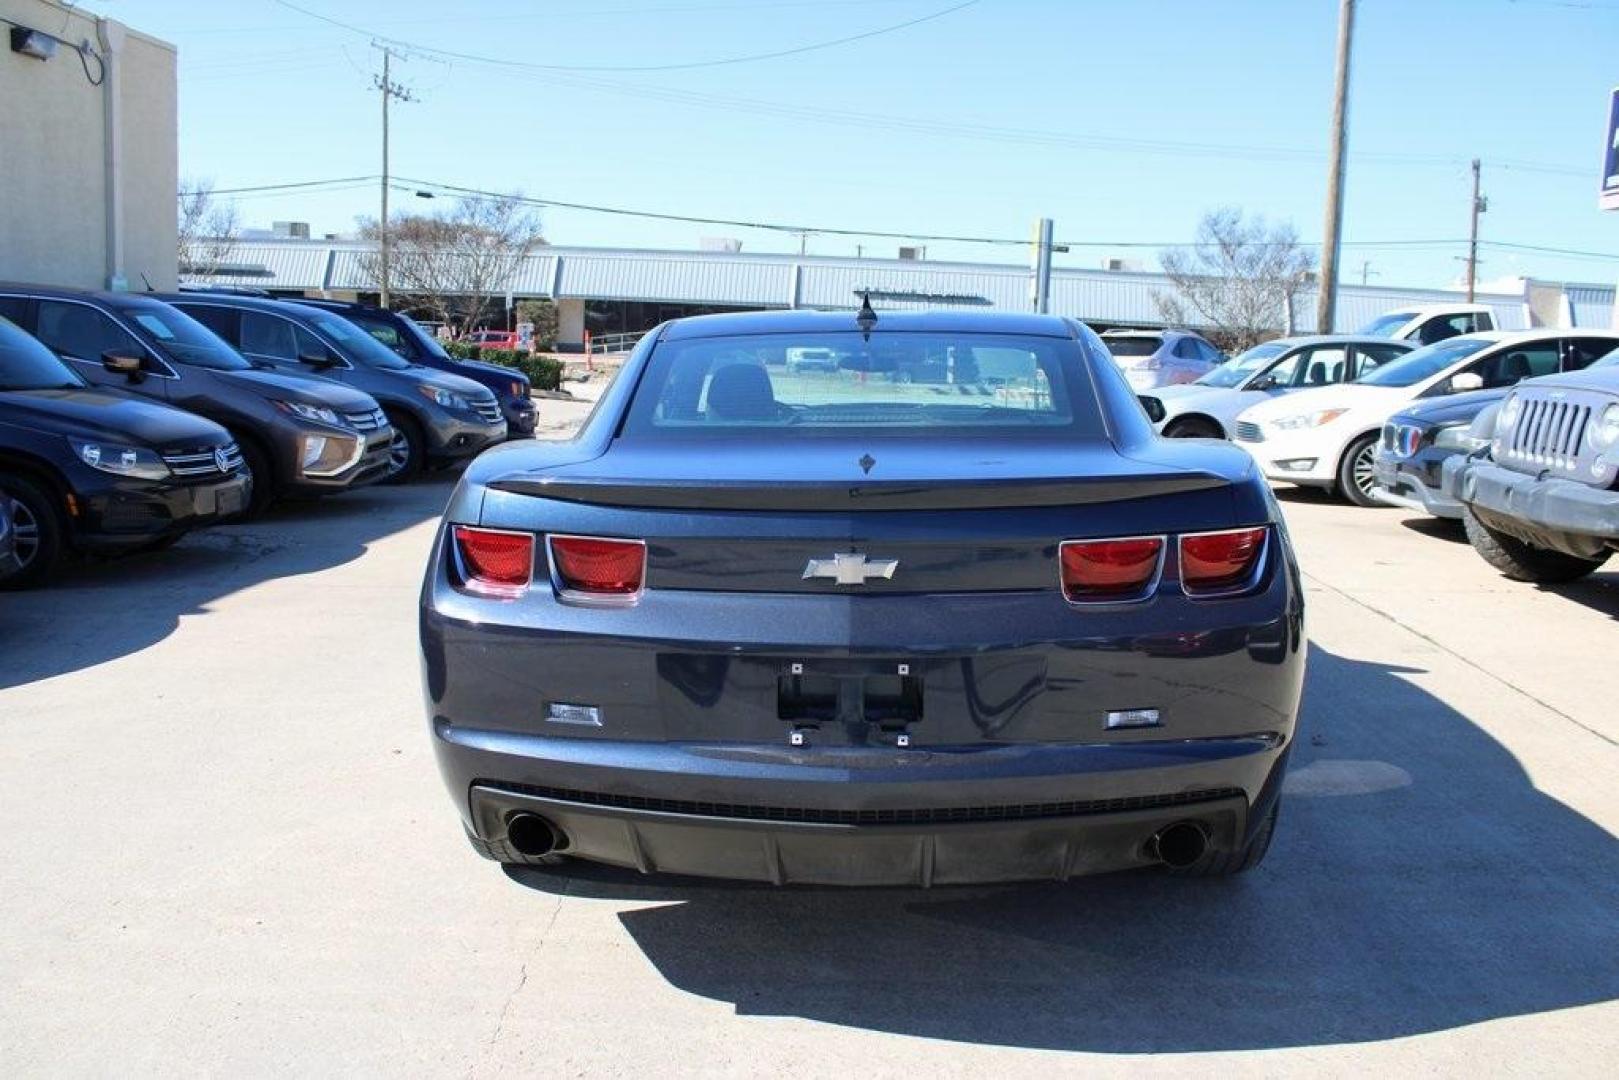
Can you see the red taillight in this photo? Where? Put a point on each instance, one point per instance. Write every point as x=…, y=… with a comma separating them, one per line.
x=588, y=566
x=1218, y=561
x=495, y=563
x=1110, y=569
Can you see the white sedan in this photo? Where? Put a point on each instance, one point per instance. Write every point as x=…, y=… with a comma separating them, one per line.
x=1327, y=437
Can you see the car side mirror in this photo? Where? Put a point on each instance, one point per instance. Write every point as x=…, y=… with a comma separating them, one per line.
x=1264, y=382
x=129, y=366
x=1463, y=381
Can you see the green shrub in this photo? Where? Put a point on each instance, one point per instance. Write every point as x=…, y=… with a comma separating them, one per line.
x=543, y=372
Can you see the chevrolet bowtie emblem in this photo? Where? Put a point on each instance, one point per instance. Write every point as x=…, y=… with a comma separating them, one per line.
x=849, y=569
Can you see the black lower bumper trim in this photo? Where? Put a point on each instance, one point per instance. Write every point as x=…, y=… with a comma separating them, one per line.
x=833, y=853
x=932, y=815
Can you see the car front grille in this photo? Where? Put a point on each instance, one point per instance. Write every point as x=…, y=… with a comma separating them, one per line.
x=1248, y=431
x=488, y=409
x=1549, y=433
x=366, y=419
x=211, y=462
x=931, y=815
x=1401, y=440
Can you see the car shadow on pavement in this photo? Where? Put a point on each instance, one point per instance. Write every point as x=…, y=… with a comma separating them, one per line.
x=98, y=610
x=1599, y=592
x=1445, y=529
x=1419, y=882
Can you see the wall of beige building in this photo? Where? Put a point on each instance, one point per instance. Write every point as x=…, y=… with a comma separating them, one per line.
x=88, y=173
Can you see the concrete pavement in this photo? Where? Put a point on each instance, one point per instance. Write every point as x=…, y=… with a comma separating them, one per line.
x=227, y=851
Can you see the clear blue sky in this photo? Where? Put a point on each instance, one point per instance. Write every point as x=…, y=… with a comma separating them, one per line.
x=1122, y=120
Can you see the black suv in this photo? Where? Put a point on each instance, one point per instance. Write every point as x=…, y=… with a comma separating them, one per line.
x=404, y=336
x=100, y=470
x=438, y=419
x=298, y=435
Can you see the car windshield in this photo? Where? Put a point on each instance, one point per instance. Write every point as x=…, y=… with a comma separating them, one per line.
x=1244, y=366
x=356, y=344
x=25, y=364
x=1386, y=325
x=898, y=383
x=1424, y=363
x=1144, y=345
x=1610, y=360
x=183, y=338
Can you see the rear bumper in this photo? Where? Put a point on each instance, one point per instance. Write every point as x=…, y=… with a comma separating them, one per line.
x=1553, y=513
x=833, y=853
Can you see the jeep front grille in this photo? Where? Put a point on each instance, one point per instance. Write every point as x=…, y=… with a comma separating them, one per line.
x=1549, y=432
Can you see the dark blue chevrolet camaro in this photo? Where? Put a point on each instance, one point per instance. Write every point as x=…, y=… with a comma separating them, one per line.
x=945, y=611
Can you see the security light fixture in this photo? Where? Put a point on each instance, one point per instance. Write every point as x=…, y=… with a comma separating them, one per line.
x=35, y=43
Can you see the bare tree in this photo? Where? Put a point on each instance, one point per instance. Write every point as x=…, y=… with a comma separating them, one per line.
x=208, y=229
x=458, y=261
x=1238, y=278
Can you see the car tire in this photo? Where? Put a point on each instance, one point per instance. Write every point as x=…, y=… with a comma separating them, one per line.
x=1192, y=427
x=408, y=454
x=1355, y=476
x=41, y=530
x=1224, y=864
x=1521, y=561
x=257, y=465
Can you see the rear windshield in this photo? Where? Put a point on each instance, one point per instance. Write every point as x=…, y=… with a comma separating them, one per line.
x=971, y=384
x=183, y=338
x=1424, y=363
x=1133, y=346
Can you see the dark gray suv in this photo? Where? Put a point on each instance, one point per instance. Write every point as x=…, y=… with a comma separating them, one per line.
x=298, y=435
x=438, y=419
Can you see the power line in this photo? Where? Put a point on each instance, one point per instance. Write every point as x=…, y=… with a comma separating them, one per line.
x=286, y=187
x=475, y=58
x=410, y=186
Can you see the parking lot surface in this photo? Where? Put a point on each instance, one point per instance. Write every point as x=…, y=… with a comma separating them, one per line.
x=227, y=851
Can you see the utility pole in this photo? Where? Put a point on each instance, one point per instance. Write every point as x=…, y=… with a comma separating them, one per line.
x=1327, y=300
x=1480, y=204
x=1042, y=266
x=390, y=89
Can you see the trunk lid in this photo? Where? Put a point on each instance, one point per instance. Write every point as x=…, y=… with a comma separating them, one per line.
x=988, y=520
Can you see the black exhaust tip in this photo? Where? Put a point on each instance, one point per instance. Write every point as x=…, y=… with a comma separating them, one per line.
x=1180, y=845
x=532, y=835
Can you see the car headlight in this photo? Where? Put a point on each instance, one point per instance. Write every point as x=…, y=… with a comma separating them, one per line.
x=1605, y=432
x=309, y=412
x=445, y=398
x=1300, y=421
x=519, y=390
x=121, y=460
x=1459, y=437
